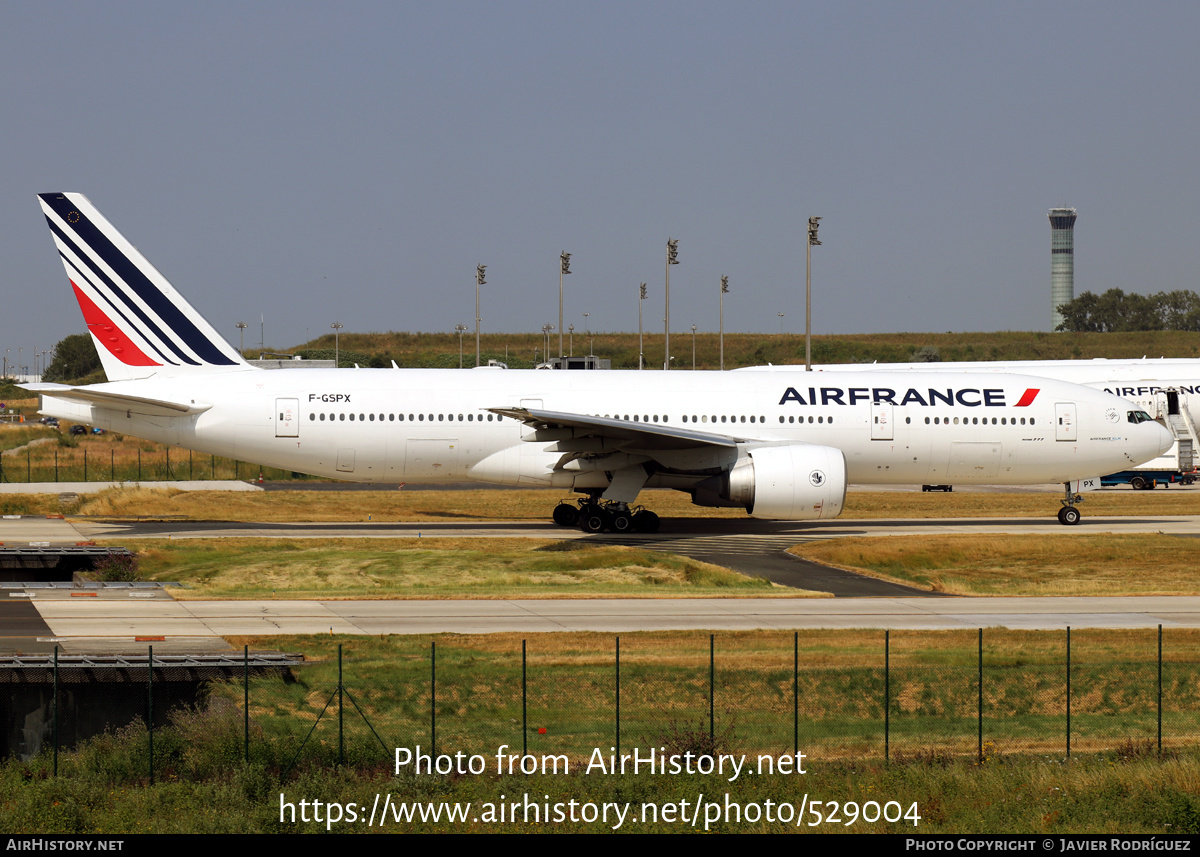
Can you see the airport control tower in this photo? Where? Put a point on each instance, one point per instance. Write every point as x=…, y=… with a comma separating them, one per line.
x=1062, y=261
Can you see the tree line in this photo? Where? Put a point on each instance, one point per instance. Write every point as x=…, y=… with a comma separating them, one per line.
x=1116, y=311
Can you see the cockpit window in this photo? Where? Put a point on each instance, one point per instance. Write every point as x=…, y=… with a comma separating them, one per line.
x=1139, y=417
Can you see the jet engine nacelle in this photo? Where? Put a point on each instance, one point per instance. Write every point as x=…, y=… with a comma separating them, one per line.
x=798, y=482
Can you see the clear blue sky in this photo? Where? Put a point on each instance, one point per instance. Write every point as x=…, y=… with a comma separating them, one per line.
x=355, y=161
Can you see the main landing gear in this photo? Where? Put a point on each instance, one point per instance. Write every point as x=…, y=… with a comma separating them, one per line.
x=1068, y=515
x=594, y=515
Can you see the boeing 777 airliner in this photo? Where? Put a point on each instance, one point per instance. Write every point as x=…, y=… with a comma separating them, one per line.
x=781, y=445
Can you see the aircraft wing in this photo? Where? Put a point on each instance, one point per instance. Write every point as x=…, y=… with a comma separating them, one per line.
x=639, y=435
x=118, y=401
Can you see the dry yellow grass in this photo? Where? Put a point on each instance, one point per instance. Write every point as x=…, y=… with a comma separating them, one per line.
x=278, y=506
x=536, y=505
x=1061, y=564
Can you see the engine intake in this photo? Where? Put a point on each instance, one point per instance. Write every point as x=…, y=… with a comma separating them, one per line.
x=798, y=482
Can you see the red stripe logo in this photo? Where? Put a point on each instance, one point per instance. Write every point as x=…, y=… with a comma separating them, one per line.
x=1028, y=397
x=109, y=335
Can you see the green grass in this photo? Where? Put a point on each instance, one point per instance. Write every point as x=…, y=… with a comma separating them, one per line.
x=751, y=349
x=1023, y=784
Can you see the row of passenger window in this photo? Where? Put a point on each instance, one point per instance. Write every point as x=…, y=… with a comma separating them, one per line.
x=974, y=421
x=412, y=418
x=645, y=418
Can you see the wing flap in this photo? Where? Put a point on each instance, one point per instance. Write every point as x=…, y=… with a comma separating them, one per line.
x=631, y=435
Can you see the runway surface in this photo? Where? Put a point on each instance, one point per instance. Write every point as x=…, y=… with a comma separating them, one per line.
x=110, y=624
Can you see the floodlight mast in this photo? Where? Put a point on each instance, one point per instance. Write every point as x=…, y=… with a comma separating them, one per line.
x=724, y=291
x=564, y=268
x=641, y=350
x=813, y=223
x=672, y=259
x=479, y=281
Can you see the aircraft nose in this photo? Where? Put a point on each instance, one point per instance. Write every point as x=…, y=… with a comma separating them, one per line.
x=1165, y=439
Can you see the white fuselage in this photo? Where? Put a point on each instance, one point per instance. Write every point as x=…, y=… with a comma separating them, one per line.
x=1144, y=382
x=395, y=425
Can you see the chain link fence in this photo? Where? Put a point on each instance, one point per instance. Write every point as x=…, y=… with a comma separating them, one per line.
x=853, y=694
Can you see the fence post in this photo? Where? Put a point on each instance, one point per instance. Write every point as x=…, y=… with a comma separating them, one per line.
x=139, y=479
x=524, y=705
x=112, y=465
x=56, y=711
x=618, y=694
x=246, y=698
x=150, y=707
x=432, y=698
x=212, y=468
x=341, y=732
x=28, y=467
x=56, y=464
x=887, y=695
x=980, y=738
x=795, y=692
x=1160, y=690
x=189, y=464
x=712, y=689
x=85, y=464
x=1068, y=691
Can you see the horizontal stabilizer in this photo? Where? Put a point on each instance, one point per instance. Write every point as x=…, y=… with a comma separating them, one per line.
x=119, y=401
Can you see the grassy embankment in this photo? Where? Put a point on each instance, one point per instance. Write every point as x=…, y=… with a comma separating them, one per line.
x=756, y=349
x=1024, y=783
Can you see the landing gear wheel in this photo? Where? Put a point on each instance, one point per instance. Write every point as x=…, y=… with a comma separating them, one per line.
x=566, y=515
x=645, y=521
x=593, y=520
x=621, y=523
x=1068, y=515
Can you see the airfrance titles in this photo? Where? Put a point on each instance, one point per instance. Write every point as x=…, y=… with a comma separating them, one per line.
x=968, y=397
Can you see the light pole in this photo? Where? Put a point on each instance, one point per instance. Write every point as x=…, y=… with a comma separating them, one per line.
x=546, y=328
x=780, y=322
x=564, y=268
x=672, y=259
x=587, y=331
x=641, y=351
x=241, y=326
x=693, y=348
x=571, y=330
x=479, y=281
x=724, y=291
x=337, y=329
x=813, y=223
x=461, y=328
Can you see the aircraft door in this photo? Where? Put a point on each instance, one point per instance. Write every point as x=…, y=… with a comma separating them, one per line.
x=527, y=433
x=1064, y=420
x=287, y=418
x=881, y=421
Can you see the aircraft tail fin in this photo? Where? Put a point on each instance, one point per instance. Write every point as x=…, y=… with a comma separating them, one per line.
x=142, y=327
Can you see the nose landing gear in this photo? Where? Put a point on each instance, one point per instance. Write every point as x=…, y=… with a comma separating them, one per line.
x=1068, y=515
